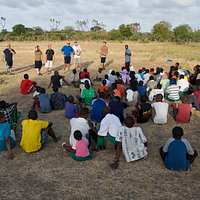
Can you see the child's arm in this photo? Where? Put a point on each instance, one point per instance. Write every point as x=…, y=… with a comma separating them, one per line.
x=10, y=153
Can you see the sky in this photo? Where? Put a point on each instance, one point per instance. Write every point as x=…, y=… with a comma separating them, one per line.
x=111, y=12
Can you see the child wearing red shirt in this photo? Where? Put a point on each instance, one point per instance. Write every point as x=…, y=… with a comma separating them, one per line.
x=26, y=86
x=182, y=110
x=84, y=74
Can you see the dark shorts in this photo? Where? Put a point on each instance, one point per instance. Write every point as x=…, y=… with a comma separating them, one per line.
x=103, y=60
x=38, y=64
x=67, y=59
x=9, y=63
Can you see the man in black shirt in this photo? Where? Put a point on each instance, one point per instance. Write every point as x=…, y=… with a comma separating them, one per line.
x=49, y=58
x=8, y=55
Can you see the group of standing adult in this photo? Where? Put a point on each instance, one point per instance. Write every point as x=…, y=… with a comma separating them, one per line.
x=68, y=52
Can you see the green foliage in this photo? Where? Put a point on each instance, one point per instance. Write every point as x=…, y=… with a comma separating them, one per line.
x=162, y=31
x=19, y=29
x=125, y=31
x=183, y=33
x=114, y=34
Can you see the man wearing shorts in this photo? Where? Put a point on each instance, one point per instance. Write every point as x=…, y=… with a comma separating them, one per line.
x=77, y=54
x=8, y=55
x=49, y=58
x=38, y=59
x=103, y=54
x=67, y=51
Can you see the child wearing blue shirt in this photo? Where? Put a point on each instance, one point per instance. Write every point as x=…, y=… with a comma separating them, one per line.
x=6, y=141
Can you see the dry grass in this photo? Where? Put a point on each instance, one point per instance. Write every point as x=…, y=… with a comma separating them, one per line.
x=50, y=174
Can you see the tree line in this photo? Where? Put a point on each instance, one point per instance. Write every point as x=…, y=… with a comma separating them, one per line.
x=161, y=32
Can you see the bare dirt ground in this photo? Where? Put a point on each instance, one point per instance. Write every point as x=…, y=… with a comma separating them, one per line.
x=51, y=175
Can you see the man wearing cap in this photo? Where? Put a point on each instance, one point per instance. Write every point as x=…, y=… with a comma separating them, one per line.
x=67, y=51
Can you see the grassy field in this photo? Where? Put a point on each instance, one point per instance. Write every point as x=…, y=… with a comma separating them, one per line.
x=51, y=175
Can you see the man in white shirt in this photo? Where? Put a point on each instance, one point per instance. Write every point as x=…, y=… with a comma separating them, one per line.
x=77, y=54
x=80, y=124
x=160, y=110
x=183, y=84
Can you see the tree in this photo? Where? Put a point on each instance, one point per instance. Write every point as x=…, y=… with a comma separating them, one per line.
x=115, y=34
x=3, y=23
x=68, y=28
x=54, y=24
x=162, y=31
x=97, y=26
x=125, y=31
x=38, y=30
x=19, y=29
x=183, y=33
x=82, y=25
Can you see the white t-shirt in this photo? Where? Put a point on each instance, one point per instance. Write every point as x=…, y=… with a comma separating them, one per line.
x=80, y=124
x=129, y=95
x=110, y=124
x=183, y=84
x=154, y=92
x=133, y=141
x=146, y=78
x=77, y=51
x=161, y=112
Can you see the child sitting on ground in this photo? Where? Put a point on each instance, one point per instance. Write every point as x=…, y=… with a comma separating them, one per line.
x=84, y=74
x=177, y=153
x=73, y=78
x=87, y=94
x=182, y=111
x=125, y=76
x=112, y=77
x=103, y=88
x=57, y=100
x=33, y=136
x=7, y=142
x=155, y=91
x=132, y=142
x=132, y=95
x=71, y=109
x=27, y=86
x=80, y=152
x=144, y=112
x=141, y=89
x=172, y=91
x=42, y=102
x=109, y=128
x=160, y=109
x=99, y=75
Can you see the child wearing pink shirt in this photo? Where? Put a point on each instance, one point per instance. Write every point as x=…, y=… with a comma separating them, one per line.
x=81, y=151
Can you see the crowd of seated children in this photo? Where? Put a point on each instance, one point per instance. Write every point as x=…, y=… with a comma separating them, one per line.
x=110, y=116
